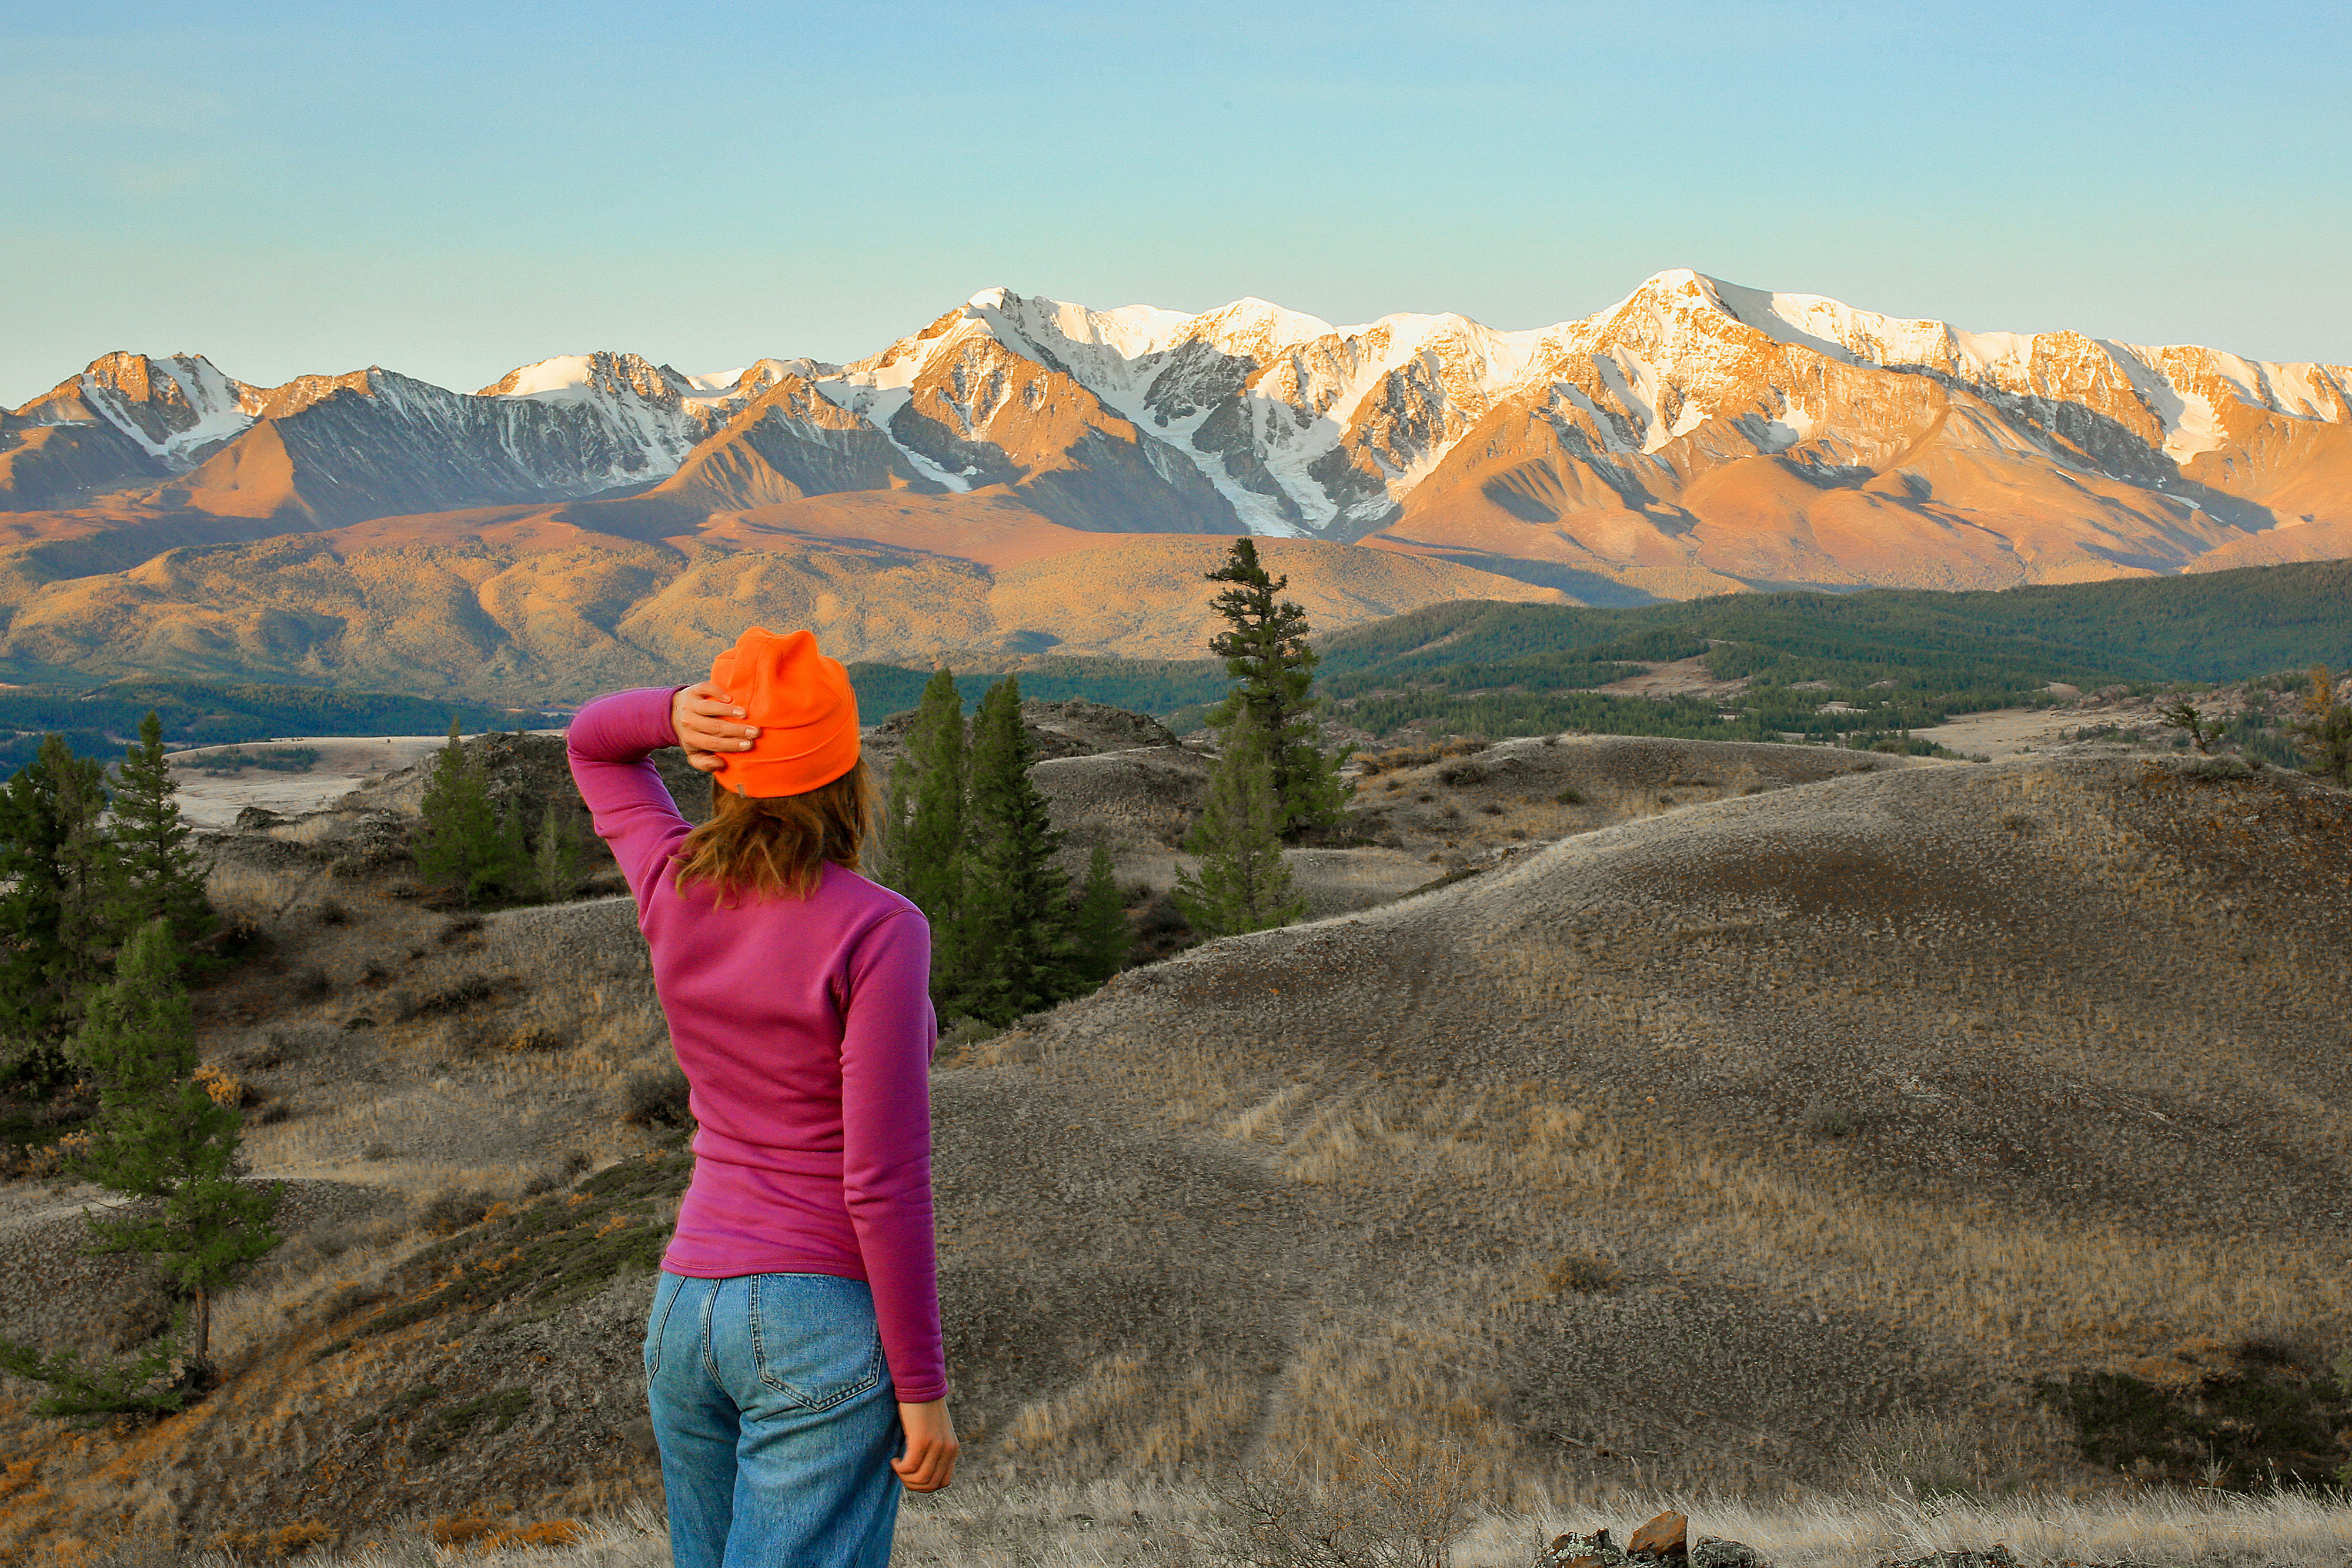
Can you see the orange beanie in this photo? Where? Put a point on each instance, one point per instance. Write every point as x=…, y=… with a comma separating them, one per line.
x=803, y=706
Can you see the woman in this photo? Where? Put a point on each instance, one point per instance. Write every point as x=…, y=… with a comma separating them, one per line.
x=794, y=1348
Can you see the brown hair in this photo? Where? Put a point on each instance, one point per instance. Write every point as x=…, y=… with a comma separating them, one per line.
x=765, y=847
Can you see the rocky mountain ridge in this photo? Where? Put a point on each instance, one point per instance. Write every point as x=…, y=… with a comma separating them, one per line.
x=1697, y=424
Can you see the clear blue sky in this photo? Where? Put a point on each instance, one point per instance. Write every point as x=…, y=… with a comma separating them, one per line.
x=451, y=190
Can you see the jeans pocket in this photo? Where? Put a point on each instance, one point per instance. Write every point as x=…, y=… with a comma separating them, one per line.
x=666, y=1290
x=814, y=1338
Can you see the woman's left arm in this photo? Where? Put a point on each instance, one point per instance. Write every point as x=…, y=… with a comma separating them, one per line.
x=607, y=746
x=888, y=1036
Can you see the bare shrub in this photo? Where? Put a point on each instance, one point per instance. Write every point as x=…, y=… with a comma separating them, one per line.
x=657, y=1097
x=1825, y=1119
x=1461, y=775
x=335, y=913
x=456, y=930
x=1378, y=1513
x=1570, y=798
x=453, y=1210
x=465, y=992
x=1581, y=1274
x=562, y=1174
x=1921, y=1459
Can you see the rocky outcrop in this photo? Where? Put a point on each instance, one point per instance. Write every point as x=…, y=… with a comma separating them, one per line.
x=1665, y=1539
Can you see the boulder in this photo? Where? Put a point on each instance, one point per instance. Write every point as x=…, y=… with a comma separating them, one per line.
x=1666, y=1536
x=1594, y=1551
x=1709, y=1551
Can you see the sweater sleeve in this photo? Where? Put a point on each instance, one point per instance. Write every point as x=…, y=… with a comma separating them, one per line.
x=609, y=743
x=889, y=1035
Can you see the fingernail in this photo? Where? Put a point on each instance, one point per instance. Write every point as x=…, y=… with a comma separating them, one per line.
x=739, y=712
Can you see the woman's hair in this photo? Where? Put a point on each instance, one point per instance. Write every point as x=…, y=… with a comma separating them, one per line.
x=768, y=847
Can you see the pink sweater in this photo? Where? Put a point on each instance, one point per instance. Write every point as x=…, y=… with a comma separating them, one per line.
x=805, y=1030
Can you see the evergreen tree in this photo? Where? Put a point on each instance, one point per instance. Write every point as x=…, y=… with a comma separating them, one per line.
x=463, y=843
x=1100, y=921
x=1241, y=883
x=923, y=820
x=159, y=874
x=555, y=858
x=1013, y=948
x=163, y=1141
x=58, y=928
x=1267, y=652
x=2325, y=731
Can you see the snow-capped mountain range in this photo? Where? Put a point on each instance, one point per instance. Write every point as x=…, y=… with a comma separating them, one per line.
x=1697, y=435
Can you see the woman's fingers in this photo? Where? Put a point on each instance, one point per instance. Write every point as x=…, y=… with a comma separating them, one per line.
x=707, y=720
x=926, y=1469
x=928, y=1461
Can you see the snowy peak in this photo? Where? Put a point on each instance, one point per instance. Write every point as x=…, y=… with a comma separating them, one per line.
x=170, y=407
x=574, y=378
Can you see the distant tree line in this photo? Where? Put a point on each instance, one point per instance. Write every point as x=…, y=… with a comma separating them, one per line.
x=204, y=712
x=104, y=913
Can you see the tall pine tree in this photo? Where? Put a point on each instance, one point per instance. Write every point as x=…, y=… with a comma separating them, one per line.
x=159, y=874
x=1267, y=652
x=1241, y=883
x=1014, y=950
x=57, y=929
x=162, y=1140
x=923, y=820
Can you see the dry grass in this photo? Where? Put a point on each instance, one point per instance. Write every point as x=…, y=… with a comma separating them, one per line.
x=1105, y=1523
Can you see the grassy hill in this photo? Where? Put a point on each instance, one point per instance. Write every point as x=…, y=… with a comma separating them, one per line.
x=1696, y=1151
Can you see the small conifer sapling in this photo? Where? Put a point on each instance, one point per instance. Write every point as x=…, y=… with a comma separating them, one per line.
x=1241, y=883
x=555, y=858
x=1103, y=937
x=2324, y=733
x=165, y=1143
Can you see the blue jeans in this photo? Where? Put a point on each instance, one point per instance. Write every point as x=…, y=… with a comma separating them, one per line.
x=777, y=1422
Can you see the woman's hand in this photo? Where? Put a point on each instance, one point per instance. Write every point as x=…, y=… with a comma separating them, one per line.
x=701, y=714
x=928, y=1462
